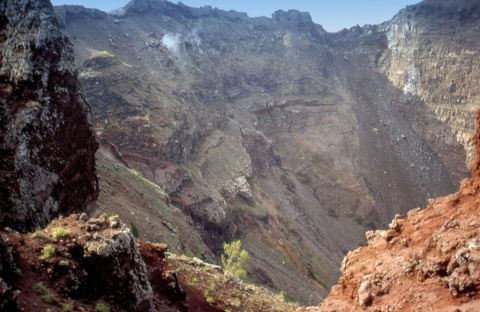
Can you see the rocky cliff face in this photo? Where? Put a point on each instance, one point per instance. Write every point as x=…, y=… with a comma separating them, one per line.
x=428, y=260
x=47, y=147
x=265, y=129
x=433, y=54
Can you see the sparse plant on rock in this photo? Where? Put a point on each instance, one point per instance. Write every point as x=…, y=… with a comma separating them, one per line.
x=40, y=289
x=102, y=307
x=37, y=234
x=50, y=298
x=114, y=218
x=60, y=232
x=8, y=89
x=104, y=53
x=235, y=259
x=48, y=251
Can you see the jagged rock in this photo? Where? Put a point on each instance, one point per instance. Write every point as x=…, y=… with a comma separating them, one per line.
x=47, y=167
x=105, y=266
x=364, y=292
x=116, y=261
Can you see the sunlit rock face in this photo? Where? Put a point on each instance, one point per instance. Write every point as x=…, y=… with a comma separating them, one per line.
x=433, y=54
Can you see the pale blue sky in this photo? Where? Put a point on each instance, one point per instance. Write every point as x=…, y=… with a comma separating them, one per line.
x=332, y=14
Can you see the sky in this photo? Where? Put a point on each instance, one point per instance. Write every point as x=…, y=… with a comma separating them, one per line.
x=333, y=15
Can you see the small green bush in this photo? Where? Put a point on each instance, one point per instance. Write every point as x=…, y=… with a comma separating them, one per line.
x=235, y=259
x=47, y=252
x=113, y=218
x=8, y=89
x=40, y=289
x=284, y=295
x=50, y=299
x=37, y=234
x=67, y=307
x=60, y=232
x=102, y=307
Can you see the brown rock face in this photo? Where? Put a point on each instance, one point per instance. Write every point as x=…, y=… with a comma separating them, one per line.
x=428, y=261
x=47, y=148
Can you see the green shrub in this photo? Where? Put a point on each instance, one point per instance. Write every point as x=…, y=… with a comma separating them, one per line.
x=102, y=307
x=60, y=232
x=284, y=296
x=235, y=259
x=47, y=252
x=50, y=299
x=8, y=89
x=40, y=289
x=37, y=234
x=67, y=307
x=113, y=218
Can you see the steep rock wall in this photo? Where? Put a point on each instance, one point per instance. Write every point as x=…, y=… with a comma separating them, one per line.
x=47, y=164
x=428, y=260
x=433, y=54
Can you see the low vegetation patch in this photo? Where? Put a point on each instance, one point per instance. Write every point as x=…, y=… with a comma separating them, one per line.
x=8, y=89
x=104, y=53
x=37, y=234
x=48, y=251
x=50, y=299
x=40, y=289
x=60, y=232
x=47, y=297
x=102, y=307
x=113, y=218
